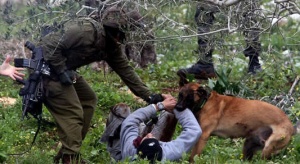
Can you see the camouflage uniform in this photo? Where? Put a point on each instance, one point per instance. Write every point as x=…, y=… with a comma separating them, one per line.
x=205, y=17
x=81, y=42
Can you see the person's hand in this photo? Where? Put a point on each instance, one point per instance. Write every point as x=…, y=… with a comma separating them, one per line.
x=169, y=102
x=166, y=96
x=8, y=70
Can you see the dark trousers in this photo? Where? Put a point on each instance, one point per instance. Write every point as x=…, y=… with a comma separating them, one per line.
x=247, y=17
x=72, y=108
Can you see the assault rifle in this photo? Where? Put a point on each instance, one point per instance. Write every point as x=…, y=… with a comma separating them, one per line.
x=32, y=92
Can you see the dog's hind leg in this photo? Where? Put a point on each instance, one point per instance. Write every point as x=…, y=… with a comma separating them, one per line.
x=250, y=148
x=255, y=142
x=275, y=143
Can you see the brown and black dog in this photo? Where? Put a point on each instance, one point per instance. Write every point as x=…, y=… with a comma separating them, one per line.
x=264, y=126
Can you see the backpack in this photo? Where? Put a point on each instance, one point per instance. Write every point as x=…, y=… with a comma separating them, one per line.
x=111, y=135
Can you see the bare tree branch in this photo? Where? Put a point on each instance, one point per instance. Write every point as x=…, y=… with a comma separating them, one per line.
x=289, y=5
x=293, y=86
x=170, y=37
x=224, y=3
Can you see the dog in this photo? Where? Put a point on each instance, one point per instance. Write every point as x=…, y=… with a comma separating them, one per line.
x=264, y=126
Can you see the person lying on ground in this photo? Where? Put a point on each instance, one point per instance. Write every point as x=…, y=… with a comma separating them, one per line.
x=148, y=147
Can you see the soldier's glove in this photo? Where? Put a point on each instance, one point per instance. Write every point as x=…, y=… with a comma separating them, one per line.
x=155, y=98
x=67, y=77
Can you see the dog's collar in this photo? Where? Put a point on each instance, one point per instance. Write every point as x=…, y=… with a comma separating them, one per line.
x=197, y=107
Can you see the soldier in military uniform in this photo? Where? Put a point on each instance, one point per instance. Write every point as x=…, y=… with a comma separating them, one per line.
x=141, y=52
x=69, y=98
x=205, y=17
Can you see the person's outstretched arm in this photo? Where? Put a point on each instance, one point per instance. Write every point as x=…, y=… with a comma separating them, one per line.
x=8, y=70
x=120, y=64
x=130, y=126
x=190, y=134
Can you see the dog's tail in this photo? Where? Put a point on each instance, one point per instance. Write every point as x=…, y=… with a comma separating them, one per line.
x=297, y=127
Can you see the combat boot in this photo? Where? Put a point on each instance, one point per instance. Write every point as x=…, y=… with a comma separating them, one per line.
x=199, y=70
x=254, y=65
x=58, y=156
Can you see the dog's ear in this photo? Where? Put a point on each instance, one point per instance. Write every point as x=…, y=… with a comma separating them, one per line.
x=182, y=82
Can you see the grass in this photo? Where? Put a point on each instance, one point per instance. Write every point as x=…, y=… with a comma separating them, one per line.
x=279, y=72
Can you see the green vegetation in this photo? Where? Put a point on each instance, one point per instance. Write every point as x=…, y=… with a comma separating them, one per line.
x=279, y=72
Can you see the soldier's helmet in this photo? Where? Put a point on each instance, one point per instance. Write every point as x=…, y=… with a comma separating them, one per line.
x=120, y=18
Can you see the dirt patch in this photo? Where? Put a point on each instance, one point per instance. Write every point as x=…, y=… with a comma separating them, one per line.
x=5, y=101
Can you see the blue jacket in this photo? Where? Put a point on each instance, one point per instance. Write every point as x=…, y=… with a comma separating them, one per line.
x=172, y=150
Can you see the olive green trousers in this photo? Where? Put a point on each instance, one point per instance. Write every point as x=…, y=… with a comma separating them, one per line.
x=72, y=108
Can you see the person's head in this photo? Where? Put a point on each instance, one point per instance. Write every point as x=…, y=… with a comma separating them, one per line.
x=119, y=18
x=117, y=22
x=150, y=149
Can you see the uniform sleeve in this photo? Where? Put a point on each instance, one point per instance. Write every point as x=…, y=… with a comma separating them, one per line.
x=190, y=134
x=119, y=63
x=130, y=129
x=74, y=35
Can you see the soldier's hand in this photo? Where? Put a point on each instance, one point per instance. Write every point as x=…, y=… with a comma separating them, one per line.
x=67, y=77
x=155, y=98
